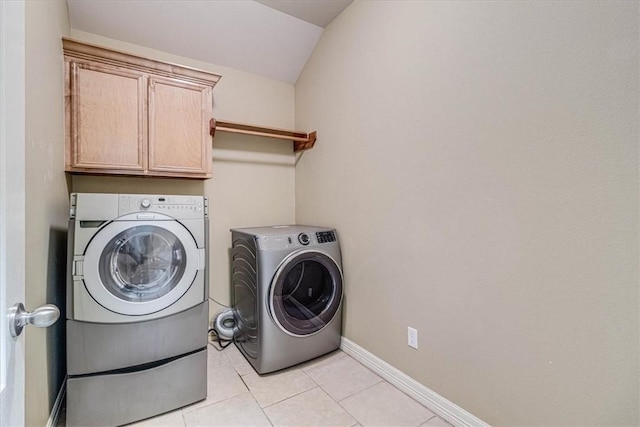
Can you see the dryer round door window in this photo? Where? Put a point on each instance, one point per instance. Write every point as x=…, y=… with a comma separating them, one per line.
x=141, y=267
x=306, y=292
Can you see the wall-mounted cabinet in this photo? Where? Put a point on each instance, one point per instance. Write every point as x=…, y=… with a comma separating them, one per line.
x=134, y=116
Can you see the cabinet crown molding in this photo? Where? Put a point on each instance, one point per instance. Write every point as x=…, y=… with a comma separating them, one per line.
x=81, y=50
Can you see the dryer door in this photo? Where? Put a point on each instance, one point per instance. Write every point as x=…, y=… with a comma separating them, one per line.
x=305, y=293
x=140, y=267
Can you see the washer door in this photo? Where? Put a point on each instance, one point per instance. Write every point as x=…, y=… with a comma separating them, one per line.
x=305, y=293
x=140, y=267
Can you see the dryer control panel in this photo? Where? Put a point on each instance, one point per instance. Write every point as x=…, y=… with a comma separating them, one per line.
x=292, y=241
x=326, y=236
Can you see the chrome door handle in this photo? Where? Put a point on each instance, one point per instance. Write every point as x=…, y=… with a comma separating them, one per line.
x=41, y=317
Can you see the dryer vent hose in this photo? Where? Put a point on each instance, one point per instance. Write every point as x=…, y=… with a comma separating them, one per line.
x=225, y=325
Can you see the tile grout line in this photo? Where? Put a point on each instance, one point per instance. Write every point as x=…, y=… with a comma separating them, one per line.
x=339, y=402
x=306, y=374
x=292, y=396
x=219, y=401
x=255, y=399
x=434, y=416
x=287, y=398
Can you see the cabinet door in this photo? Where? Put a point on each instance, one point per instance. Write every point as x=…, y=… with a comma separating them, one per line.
x=108, y=128
x=179, y=141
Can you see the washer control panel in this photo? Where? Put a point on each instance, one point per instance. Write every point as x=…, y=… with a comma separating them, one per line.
x=182, y=207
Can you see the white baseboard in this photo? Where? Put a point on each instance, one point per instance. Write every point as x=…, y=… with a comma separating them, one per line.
x=437, y=404
x=57, y=406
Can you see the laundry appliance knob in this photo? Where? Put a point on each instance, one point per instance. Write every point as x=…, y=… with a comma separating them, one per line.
x=303, y=238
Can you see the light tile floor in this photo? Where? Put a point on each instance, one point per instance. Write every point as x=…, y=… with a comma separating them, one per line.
x=333, y=390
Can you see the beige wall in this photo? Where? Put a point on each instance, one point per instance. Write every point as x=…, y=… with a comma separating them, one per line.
x=46, y=202
x=480, y=162
x=253, y=178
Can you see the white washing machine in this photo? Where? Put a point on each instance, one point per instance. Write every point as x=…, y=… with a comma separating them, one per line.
x=137, y=306
x=287, y=294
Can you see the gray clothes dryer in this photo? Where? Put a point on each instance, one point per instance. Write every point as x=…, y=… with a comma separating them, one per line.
x=287, y=294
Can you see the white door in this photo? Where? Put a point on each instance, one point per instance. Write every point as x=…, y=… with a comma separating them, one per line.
x=12, y=205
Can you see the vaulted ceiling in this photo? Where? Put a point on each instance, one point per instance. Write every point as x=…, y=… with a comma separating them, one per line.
x=273, y=38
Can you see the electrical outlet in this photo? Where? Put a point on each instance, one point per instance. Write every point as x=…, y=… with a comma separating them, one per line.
x=412, y=337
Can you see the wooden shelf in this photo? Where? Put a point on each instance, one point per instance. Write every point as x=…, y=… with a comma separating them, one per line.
x=301, y=141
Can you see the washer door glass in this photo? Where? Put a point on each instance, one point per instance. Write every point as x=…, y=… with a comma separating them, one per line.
x=142, y=263
x=306, y=292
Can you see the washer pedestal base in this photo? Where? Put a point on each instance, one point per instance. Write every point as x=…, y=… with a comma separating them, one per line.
x=125, y=397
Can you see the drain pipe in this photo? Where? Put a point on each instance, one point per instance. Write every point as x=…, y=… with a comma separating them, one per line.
x=225, y=325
